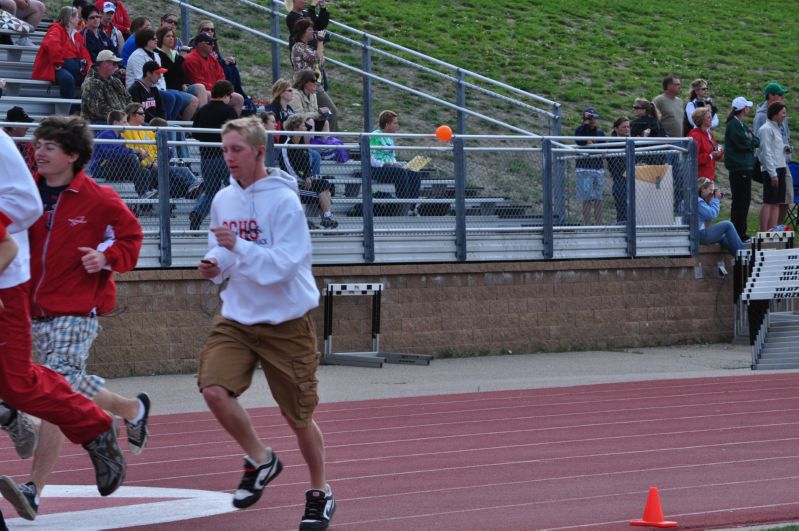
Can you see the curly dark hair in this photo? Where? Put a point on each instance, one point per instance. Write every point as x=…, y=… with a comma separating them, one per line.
x=71, y=133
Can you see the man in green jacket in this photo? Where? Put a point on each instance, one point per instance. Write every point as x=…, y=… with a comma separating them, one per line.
x=739, y=148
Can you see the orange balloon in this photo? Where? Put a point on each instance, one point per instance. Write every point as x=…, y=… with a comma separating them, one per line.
x=444, y=133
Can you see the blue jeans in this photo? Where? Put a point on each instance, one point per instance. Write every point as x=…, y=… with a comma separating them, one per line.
x=214, y=171
x=181, y=101
x=724, y=233
x=180, y=179
x=406, y=182
x=316, y=162
x=170, y=103
x=68, y=77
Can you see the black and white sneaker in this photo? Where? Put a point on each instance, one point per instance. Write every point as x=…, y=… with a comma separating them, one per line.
x=137, y=432
x=23, y=497
x=319, y=509
x=254, y=480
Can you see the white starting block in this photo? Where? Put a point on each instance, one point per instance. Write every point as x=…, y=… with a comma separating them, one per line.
x=374, y=358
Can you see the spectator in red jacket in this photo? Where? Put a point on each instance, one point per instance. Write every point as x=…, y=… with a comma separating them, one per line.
x=62, y=57
x=201, y=67
x=707, y=149
x=121, y=20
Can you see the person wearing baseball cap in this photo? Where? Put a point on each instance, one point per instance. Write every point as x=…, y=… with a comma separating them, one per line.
x=775, y=93
x=102, y=91
x=590, y=171
x=145, y=91
x=739, y=159
x=200, y=66
x=18, y=114
x=121, y=19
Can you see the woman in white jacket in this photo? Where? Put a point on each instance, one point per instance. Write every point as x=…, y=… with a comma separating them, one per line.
x=771, y=155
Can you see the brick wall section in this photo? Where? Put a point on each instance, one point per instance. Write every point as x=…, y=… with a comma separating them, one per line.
x=163, y=316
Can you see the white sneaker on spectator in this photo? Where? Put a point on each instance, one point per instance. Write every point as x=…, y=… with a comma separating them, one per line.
x=25, y=41
x=722, y=269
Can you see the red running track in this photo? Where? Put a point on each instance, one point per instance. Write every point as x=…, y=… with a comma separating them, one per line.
x=722, y=451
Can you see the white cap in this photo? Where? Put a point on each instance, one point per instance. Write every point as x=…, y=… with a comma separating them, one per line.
x=108, y=7
x=740, y=102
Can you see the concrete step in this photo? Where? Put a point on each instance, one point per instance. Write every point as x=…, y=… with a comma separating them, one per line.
x=768, y=353
x=776, y=366
x=792, y=339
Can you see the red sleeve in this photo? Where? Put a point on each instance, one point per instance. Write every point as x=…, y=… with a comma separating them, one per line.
x=55, y=44
x=124, y=253
x=5, y=221
x=194, y=71
x=122, y=18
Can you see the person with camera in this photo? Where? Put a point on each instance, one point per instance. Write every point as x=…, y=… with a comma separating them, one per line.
x=306, y=57
x=708, y=150
x=739, y=146
x=723, y=232
x=62, y=57
x=773, y=166
x=299, y=9
x=698, y=98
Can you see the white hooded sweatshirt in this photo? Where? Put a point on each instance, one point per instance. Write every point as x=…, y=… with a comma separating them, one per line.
x=270, y=265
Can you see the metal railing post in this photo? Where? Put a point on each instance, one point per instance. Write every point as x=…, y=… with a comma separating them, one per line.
x=270, y=150
x=367, y=83
x=460, y=199
x=366, y=198
x=690, y=208
x=164, y=207
x=185, y=22
x=556, y=120
x=461, y=102
x=629, y=153
x=548, y=222
x=275, y=21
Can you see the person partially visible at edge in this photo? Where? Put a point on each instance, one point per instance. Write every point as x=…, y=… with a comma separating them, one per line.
x=62, y=57
x=35, y=389
x=212, y=115
x=708, y=150
x=739, y=159
x=670, y=106
x=617, y=165
x=775, y=93
x=699, y=97
x=773, y=165
x=72, y=268
x=102, y=91
x=259, y=243
x=17, y=114
x=590, y=170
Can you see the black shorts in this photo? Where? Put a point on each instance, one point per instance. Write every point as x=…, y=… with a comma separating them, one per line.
x=774, y=195
x=317, y=187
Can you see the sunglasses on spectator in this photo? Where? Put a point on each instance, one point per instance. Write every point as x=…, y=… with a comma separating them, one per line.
x=141, y=113
x=638, y=107
x=93, y=17
x=212, y=30
x=171, y=21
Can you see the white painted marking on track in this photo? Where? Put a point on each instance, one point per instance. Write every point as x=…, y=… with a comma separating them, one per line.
x=189, y=504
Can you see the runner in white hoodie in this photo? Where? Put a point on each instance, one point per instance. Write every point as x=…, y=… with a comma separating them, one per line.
x=259, y=241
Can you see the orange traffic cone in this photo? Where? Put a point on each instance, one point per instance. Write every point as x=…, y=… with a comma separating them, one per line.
x=653, y=513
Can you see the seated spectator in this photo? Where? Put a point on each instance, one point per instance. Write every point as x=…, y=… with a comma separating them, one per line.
x=590, y=171
x=138, y=24
x=30, y=11
x=228, y=63
x=121, y=19
x=170, y=20
x=280, y=106
x=722, y=232
x=304, y=100
x=182, y=182
x=173, y=62
x=212, y=164
x=107, y=13
x=707, y=149
x=385, y=166
x=96, y=39
x=116, y=162
x=304, y=165
x=102, y=92
x=698, y=98
x=201, y=67
x=177, y=104
x=62, y=57
x=303, y=57
x=18, y=114
x=145, y=91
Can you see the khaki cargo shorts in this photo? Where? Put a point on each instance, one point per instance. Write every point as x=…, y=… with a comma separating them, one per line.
x=288, y=356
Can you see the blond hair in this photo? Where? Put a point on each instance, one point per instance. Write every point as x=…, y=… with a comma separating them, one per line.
x=250, y=128
x=700, y=115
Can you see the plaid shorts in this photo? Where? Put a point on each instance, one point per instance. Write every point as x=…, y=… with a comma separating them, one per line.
x=62, y=344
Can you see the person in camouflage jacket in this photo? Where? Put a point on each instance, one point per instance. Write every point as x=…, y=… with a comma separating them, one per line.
x=103, y=92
